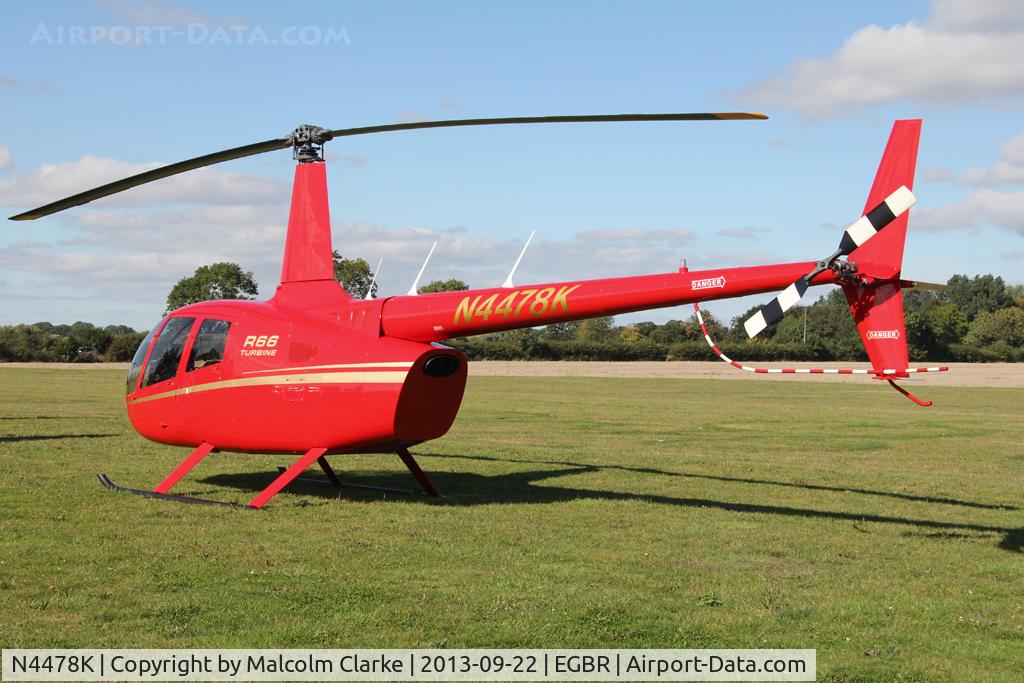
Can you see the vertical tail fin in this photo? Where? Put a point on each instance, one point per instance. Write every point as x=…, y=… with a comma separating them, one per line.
x=878, y=308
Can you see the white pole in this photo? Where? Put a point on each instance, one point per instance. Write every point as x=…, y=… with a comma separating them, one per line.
x=508, y=281
x=416, y=283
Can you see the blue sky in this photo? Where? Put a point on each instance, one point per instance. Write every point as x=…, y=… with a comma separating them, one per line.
x=155, y=82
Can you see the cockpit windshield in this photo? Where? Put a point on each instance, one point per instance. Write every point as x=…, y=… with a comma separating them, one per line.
x=136, y=367
x=163, y=362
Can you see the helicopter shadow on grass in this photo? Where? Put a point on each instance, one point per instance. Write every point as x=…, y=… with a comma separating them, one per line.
x=15, y=438
x=466, y=489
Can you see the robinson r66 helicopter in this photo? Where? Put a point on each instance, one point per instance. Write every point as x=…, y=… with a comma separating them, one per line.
x=315, y=372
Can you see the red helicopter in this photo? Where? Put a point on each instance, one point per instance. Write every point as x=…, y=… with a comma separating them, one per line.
x=316, y=372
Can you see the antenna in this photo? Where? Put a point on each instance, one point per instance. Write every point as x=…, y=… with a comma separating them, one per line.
x=508, y=281
x=373, y=280
x=416, y=283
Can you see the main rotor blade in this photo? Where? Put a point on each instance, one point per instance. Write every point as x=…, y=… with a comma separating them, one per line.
x=863, y=229
x=595, y=118
x=318, y=136
x=150, y=176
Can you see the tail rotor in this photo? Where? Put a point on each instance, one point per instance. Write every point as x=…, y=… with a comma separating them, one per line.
x=870, y=277
x=865, y=227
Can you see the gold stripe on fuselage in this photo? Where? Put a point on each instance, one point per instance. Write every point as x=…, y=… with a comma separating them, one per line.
x=339, y=366
x=304, y=378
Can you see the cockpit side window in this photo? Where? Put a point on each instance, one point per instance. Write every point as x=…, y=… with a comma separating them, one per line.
x=163, y=362
x=140, y=355
x=208, y=348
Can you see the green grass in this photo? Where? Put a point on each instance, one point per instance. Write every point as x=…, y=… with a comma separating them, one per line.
x=583, y=512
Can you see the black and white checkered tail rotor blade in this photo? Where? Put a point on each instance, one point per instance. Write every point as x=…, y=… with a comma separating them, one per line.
x=865, y=227
x=869, y=225
x=772, y=312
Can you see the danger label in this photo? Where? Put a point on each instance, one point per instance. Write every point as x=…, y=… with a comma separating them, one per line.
x=708, y=283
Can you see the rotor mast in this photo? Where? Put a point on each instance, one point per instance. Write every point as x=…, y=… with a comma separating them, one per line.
x=308, y=250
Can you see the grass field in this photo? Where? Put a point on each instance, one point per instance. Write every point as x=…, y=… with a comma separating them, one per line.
x=582, y=512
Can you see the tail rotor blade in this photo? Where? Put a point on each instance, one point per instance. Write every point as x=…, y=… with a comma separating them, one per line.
x=868, y=225
x=773, y=311
x=863, y=229
x=930, y=286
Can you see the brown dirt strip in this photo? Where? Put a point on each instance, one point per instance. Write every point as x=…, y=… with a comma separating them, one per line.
x=959, y=375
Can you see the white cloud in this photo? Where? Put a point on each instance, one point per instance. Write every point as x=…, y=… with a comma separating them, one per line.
x=12, y=83
x=939, y=175
x=979, y=209
x=971, y=15
x=1008, y=169
x=51, y=182
x=965, y=52
x=637, y=234
x=136, y=256
x=984, y=206
x=748, y=233
x=6, y=158
x=155, y=12
x=411, y=116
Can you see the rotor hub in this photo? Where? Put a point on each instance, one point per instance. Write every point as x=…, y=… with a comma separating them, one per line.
x=308, y=143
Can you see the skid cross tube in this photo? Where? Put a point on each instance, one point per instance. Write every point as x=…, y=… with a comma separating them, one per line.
x=184, y=468
x=407, y=459
x=328, y=470
x=420, y=476
x=286, y=477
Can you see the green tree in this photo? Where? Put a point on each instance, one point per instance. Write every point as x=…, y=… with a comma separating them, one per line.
x=933, y=329
x=216, y=281
x=451, y=285
x=596, y=329
x=738, y=333
x=114, y=330
x=977, y=294
x=948, y=326
x=644, y=328
x=1016, y=292
x=354, y=274
x=672, y=332
x=563, y=331
x=630, y=335
x=122, y=346
x=829, y=324
x=1005, y=325
x=716, y=330
x=87, y=334
x=29, y=343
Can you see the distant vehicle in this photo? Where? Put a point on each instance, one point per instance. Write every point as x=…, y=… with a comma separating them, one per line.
x=86, y=354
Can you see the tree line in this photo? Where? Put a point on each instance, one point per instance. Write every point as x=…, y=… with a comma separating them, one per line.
x=974, y=319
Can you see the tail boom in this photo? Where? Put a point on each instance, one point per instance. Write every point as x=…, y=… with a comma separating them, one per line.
x=445, y=315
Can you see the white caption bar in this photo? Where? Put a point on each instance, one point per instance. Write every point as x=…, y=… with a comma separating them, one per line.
x=409, y=665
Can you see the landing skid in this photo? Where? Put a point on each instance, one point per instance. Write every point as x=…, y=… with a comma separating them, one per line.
x=365, y=487
x=285, y=477
x=105, y=480
x=332, y=478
